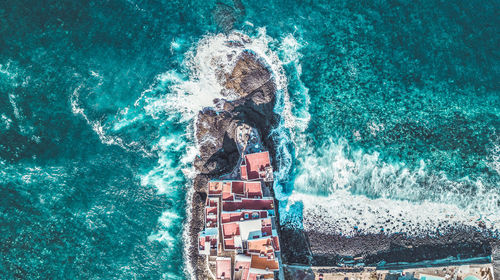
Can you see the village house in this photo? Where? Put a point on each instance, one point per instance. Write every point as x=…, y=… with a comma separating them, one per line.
x=239, y=222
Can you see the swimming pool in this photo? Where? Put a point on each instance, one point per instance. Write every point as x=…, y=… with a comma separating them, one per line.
x=471, y=277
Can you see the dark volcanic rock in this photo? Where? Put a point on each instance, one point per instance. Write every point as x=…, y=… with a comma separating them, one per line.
x=249, y=77
x=215, y=128
x=373, y=249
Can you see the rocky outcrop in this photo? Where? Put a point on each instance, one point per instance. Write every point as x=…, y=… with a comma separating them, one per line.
x=252, y=84
x=251, y=90
x=250, y=77
x=374, y=249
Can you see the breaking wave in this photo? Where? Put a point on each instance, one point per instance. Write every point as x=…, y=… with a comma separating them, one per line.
x=171, y=104
x=344, y=191
x=204, y=81
x=335, y=189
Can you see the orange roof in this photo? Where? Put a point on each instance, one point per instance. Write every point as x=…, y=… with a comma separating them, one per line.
x=223, y=268
x=253, y=189
x=256, y=163
x=238, y=187
x=261, y=246
x=243, y=172
x=231, y=229
x=264, y=263
x=214, y=187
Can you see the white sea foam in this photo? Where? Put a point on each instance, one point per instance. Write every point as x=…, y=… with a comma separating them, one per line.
x=336, y=189
x=24, y=126
x=295, y=115
x=207, y=63
x=6, y=121
x=340, y=189
x=15, y=108
x=187, y=94
x=99, y=129
x=178, y=96
x=494, y=155
x=9, y=71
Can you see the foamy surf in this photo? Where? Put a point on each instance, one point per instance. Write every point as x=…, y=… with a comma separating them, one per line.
x=344, y=191
x=175, y=98
x=207, y=64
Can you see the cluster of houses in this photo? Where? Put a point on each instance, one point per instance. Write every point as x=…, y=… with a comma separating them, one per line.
x=240, y=232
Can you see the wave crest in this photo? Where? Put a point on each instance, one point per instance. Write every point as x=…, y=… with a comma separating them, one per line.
x=351, y=188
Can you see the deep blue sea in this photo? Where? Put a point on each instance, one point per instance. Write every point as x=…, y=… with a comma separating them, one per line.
x=390, y=111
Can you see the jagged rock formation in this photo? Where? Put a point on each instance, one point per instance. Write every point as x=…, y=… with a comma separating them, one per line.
x=215, y=126
x=252, y=83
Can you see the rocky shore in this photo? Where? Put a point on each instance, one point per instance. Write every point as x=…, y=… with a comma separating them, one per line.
x=253, y=104
x=250, y=91
x=310, y=247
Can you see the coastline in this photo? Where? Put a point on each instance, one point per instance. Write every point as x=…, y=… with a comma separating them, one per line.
x=215, y=127
x=254, y=105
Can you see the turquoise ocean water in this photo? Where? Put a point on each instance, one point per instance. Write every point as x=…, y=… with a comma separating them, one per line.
x=392, y=105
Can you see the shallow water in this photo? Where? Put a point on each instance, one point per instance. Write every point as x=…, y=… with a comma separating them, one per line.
x=392, y=104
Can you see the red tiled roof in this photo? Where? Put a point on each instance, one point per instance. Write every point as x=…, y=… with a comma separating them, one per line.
x=211, y=202
x=211, y=210
x=231, y=217
x=229, y=244
x=238, y=216
x=243, y=172
x=203, y=239
x=266, y=231
x=223, y=268
x=238, y=187
x=214, y=187
x=226, y=186
x=266, y=222
x=242, y=267
x=276, y=243
x=227, y=196
x=256, y=163
x=230, y=230
x=201, y=242
x=253, y=189
x=250, y=204
x=253, y=276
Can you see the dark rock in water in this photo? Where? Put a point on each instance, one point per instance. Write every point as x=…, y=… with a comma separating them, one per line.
x=251, y=77
x=252, y=82
x=372, y=249
x=295, y=246
x=214, y=133
x=225, y=16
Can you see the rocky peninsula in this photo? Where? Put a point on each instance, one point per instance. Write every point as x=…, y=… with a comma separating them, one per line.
x=215, y=129
x=252, y=83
